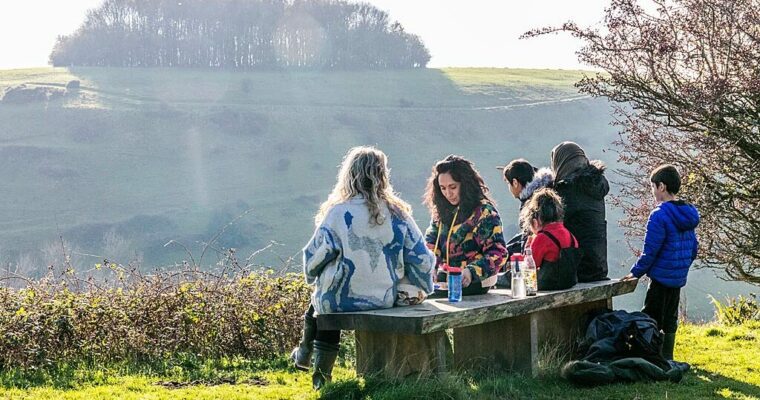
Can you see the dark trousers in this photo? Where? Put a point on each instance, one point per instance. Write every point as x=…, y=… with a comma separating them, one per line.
x=331, y=337
x=661, y=304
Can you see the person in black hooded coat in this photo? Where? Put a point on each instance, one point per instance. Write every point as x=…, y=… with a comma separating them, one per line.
x=583, y=187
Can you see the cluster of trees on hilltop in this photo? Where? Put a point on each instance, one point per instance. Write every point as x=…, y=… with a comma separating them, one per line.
x=236, y=34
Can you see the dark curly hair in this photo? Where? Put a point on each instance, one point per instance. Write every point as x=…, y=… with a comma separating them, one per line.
x=472, y=189
x=545, y=205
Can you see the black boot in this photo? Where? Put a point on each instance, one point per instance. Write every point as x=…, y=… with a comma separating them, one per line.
x=324, y=360
x=301, y=355
x=668, y=343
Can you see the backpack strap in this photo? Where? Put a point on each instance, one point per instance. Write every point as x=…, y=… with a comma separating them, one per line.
x=553, y=238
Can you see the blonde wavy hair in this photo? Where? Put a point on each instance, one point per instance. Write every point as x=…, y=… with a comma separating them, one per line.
x=365, y=172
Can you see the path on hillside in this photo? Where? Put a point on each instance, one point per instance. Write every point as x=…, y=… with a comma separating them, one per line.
x=113, y=95
x=537, y=103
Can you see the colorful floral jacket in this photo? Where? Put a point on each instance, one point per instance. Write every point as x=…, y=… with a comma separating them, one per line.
x=477, y=243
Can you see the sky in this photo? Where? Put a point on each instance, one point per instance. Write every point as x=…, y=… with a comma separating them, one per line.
x=458, y=33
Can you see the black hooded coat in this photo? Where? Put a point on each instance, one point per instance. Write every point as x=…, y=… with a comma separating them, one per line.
x=583, y=194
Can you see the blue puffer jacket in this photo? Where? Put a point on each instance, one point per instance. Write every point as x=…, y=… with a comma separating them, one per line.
x=670, y=244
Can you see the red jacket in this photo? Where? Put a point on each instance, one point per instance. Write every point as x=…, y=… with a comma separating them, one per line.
x=544, y=248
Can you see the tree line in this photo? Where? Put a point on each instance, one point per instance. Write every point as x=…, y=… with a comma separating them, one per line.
x=238, y=34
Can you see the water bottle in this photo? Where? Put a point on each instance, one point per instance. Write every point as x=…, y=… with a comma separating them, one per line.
x=455, y=284
x=516, y=262
x=518, y=281
x=530, y=273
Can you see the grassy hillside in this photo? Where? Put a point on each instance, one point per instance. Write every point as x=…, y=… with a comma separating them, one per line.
x=724, y=364
x=175, y=154
x=139, y=157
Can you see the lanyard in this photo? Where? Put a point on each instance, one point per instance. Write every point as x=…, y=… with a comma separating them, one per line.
x=448, y=236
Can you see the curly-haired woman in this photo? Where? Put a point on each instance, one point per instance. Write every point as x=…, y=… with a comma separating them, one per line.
x=465, y=229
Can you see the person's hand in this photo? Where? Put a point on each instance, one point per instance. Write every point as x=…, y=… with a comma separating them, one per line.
x=628, y=277
x=466, y=277
x=441, y=268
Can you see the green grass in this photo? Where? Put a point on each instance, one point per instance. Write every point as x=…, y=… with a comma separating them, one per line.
x=284, y=386
x=521, y=83
x=724, y=365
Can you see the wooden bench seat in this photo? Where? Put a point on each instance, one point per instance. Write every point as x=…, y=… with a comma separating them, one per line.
x=491, y=330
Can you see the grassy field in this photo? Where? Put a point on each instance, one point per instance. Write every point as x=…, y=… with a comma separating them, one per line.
x=150, y=155
x=725, y=365
x=137, y=158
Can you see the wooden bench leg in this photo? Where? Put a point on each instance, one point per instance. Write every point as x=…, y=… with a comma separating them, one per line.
x=516, y=343
x=396, y=356
x=558, y=330
x=502, y=344
x=562, y=326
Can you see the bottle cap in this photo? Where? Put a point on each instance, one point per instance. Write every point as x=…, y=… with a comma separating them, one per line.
x=516, y=257
x=454, y=270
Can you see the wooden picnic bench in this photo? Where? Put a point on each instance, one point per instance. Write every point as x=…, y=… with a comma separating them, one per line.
x=491, y=330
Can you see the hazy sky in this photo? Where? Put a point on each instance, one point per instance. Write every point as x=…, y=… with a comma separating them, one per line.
x=460, y=33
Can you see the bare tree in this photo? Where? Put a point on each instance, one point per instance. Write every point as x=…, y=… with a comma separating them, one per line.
x=685, y=79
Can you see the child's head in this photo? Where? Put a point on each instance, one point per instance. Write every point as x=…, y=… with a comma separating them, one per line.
x=666, y=182
x=517, y=174
x=543, y=208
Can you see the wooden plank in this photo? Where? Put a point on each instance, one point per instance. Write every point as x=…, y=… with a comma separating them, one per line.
x=394, y=356
x=438, y=314
x=503, y=344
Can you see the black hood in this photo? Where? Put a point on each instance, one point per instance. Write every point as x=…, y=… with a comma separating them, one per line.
x=589, y=180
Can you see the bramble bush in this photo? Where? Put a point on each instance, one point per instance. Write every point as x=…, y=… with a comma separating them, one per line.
x=118, y=314
x=738, y=310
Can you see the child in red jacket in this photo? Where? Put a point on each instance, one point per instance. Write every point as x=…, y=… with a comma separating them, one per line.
x=554, y=247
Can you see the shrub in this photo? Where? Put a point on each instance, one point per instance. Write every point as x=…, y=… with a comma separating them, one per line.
x=237, y=122
x=24, y=94
x=282, y=165
x=246, y=86
x=404, y=103
x=713, y=332
x=737, y=311
x=134, y=317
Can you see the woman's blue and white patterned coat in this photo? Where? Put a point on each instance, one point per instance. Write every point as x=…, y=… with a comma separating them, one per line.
x=356, y=266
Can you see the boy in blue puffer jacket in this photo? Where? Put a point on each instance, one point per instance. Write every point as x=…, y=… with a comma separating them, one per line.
x=670, y=246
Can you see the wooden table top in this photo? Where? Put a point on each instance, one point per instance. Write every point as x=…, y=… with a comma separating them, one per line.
x=438, y=313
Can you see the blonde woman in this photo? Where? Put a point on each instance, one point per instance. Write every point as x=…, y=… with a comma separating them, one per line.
x=366, y=253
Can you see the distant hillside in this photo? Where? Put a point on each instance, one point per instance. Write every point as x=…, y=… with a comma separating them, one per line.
x=136, y=158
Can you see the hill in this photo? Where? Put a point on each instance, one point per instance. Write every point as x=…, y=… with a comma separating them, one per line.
x=136, y=158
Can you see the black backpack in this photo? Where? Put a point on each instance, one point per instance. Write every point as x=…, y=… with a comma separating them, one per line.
x=563, y=273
